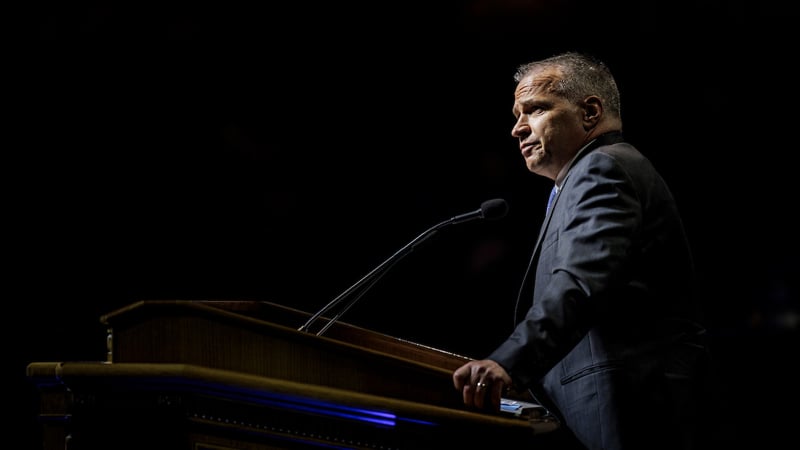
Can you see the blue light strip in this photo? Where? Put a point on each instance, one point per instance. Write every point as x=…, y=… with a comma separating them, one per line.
x=294, y=402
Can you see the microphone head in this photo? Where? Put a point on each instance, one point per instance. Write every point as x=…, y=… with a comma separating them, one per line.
x=493, y=209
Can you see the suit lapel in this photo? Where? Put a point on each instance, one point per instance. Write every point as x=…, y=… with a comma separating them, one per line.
x=526, y=288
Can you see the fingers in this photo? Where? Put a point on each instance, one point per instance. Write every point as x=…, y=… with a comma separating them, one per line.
x=481, y=383
x=483, y=395
x=482, y=388
x=461, y=377
x=495, y=394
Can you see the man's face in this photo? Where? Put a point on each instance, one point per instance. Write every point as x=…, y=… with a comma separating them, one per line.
x=550, y=129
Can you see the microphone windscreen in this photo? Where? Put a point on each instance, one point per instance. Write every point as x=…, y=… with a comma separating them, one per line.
x=493, y=209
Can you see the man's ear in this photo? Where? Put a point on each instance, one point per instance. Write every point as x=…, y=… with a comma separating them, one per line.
x=592, y=111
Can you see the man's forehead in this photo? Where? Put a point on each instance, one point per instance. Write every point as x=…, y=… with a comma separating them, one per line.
x=539, y=80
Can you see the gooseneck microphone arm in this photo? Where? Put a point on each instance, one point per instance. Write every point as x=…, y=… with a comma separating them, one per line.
x=490, y=209
x=372, y=276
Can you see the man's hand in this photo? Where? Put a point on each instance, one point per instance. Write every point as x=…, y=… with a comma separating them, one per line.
x=482, y=383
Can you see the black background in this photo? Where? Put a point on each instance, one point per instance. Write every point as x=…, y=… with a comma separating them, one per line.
x=279, y=153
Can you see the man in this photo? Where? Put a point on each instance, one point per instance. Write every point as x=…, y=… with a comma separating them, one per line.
x=607, y=333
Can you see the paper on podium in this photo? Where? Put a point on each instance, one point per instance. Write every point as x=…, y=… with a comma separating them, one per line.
x=519, y=408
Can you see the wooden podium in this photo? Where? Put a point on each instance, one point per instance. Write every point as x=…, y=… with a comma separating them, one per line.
x=218, y=375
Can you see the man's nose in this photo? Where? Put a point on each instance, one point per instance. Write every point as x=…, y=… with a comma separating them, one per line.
x=519, y=128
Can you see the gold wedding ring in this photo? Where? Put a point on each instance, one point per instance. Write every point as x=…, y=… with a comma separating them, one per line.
x=481, y=385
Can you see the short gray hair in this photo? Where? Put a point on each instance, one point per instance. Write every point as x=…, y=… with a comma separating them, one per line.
x=581, y=76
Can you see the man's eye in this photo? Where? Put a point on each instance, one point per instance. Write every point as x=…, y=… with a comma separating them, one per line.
x=533, y=109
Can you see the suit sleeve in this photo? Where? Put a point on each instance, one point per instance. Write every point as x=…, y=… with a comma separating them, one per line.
x=584, y=256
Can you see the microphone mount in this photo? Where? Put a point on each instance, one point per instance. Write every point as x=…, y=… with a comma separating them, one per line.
x=490, y=209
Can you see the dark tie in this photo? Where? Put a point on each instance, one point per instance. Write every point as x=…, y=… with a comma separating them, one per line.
x=550, y=200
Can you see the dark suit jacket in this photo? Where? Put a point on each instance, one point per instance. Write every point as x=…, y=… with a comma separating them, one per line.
x=610, y=334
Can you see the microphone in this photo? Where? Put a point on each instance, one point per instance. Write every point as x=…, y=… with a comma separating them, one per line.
x=490, y=210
